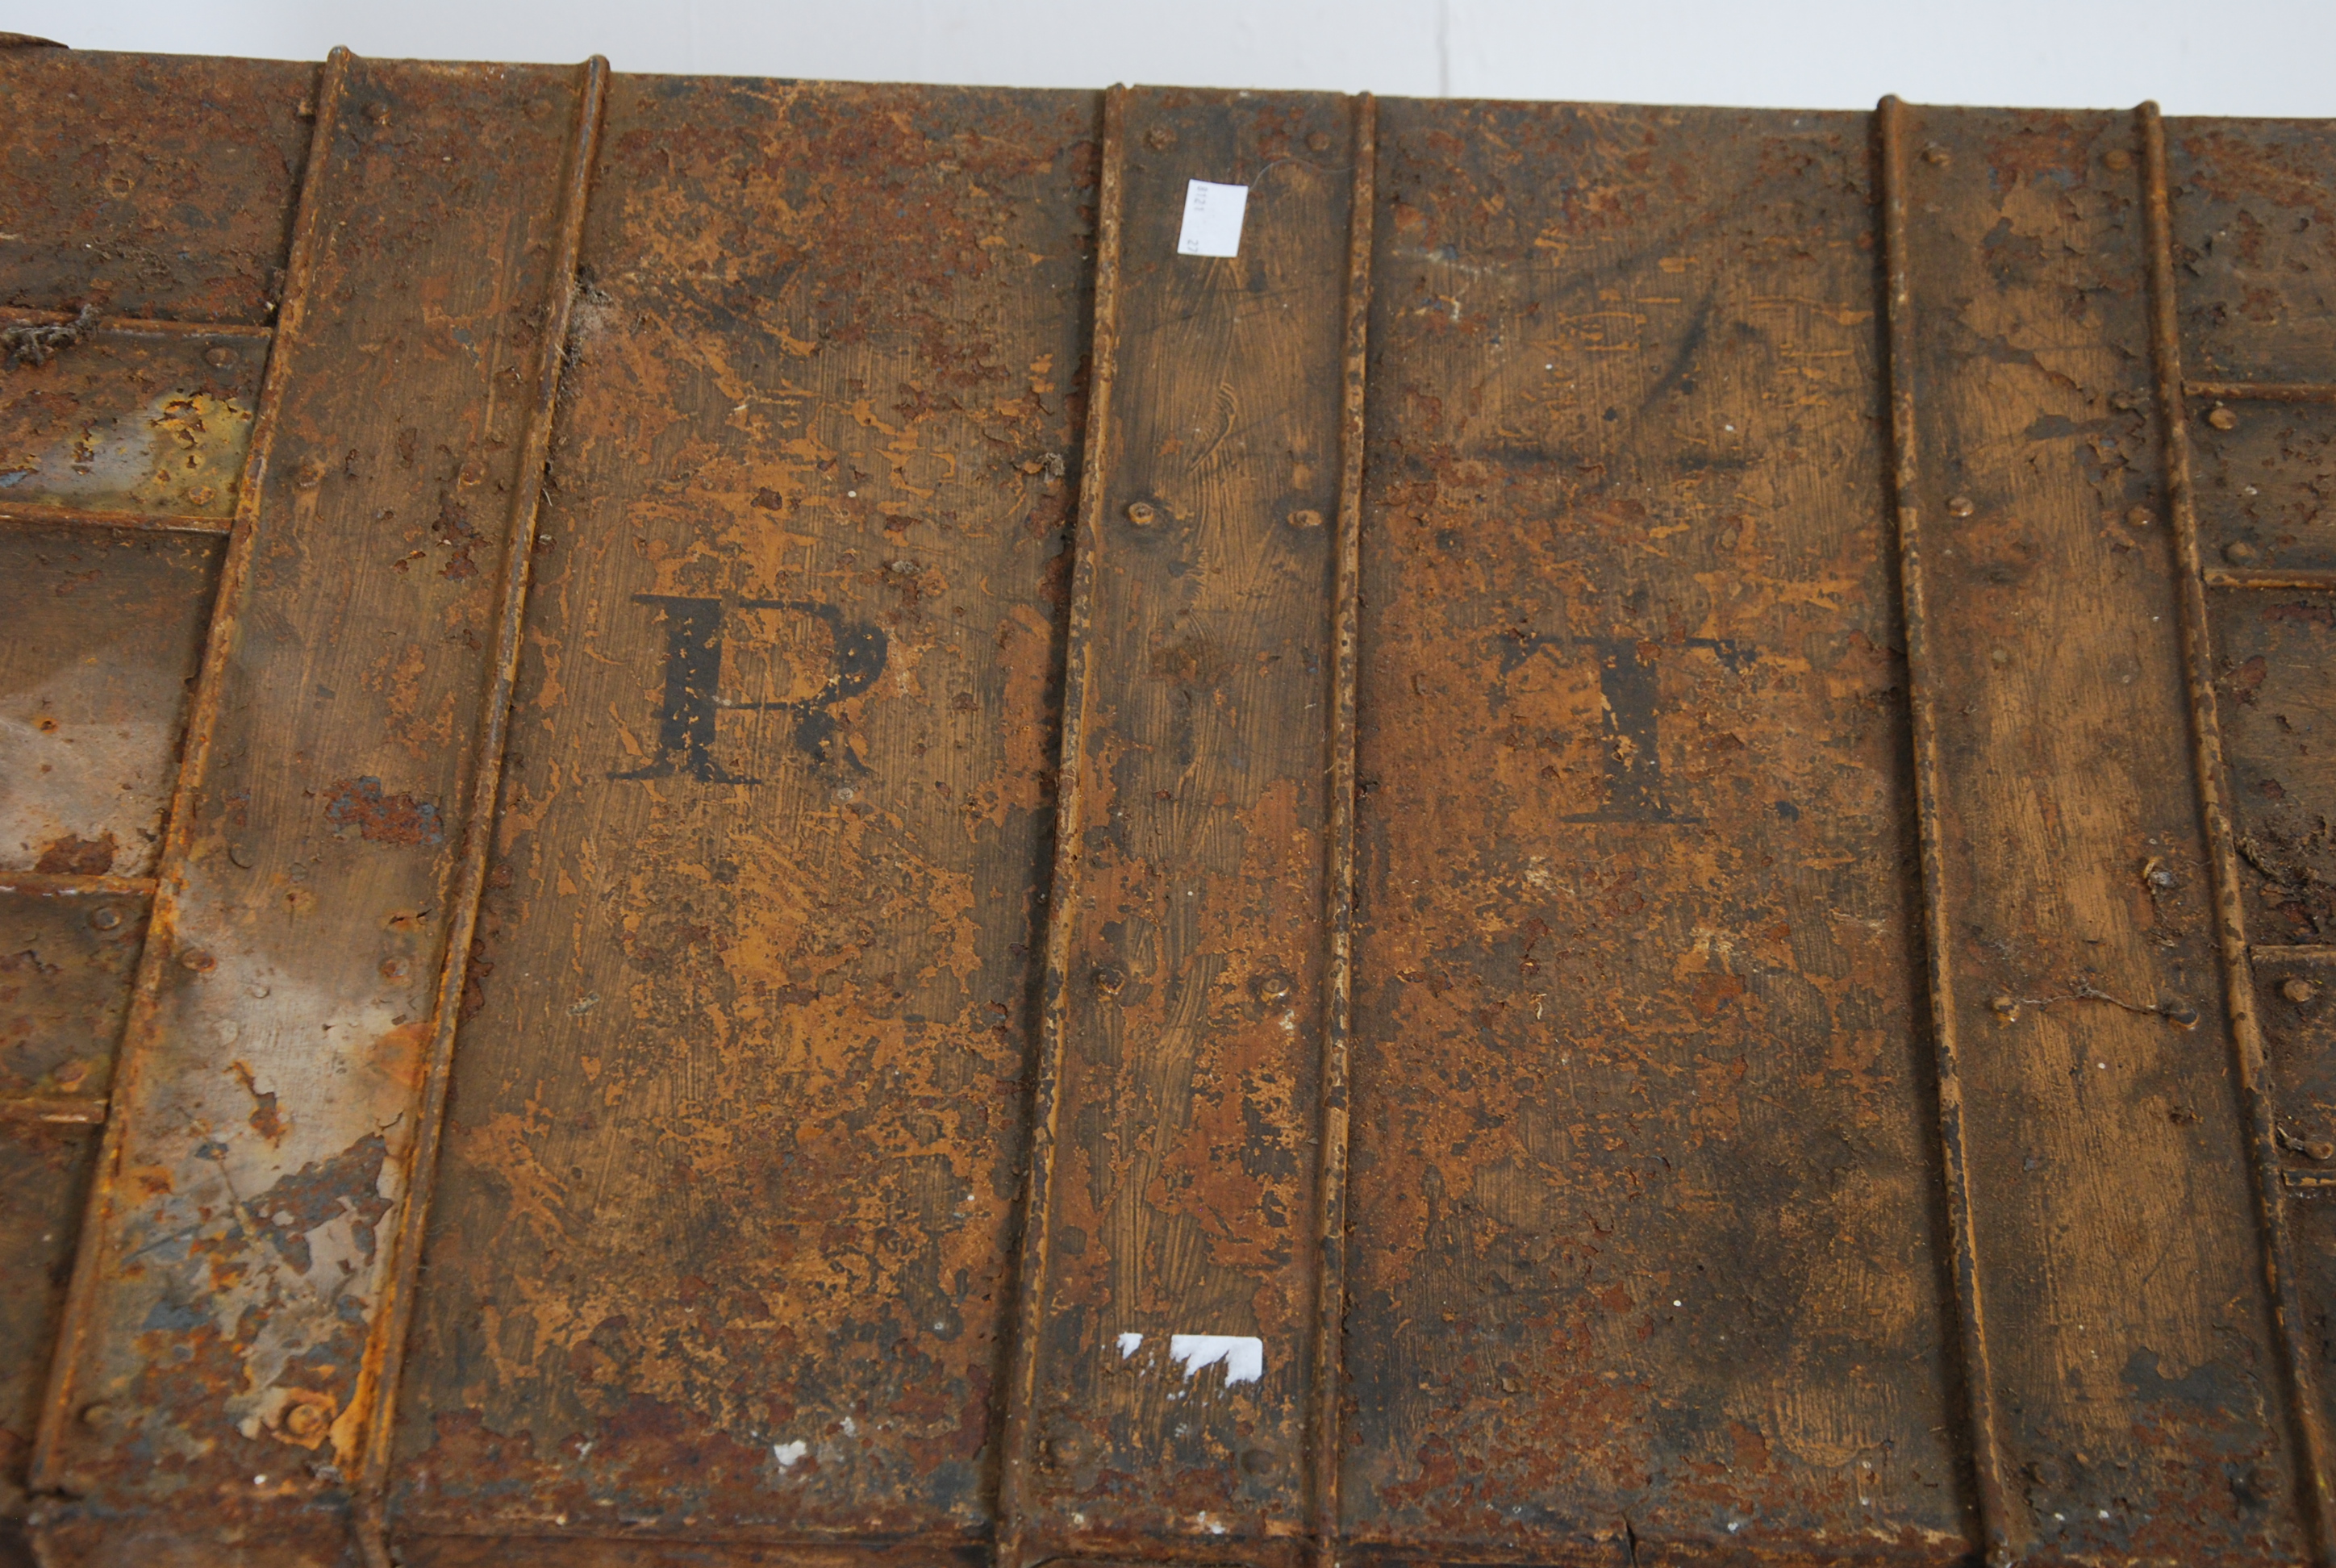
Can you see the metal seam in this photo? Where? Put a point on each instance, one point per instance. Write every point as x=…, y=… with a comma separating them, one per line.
x=1046, y=1104
x=24, y=514
x=2206, y=757
x=386, y=1354
x=235, y=581
x=1330, y=1181
x=135, y=324
x=2306, y=578
x=1922, y=704
x=2261, y=391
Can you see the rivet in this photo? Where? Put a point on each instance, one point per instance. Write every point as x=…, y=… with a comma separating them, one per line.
x=105, y=918
x=304, y=1420
x=2319, y=1149
x=1273, y=987
x=377, y=111
x=100, y=1415
x=1160, y=139
x=1257, y=1462
x=2299, y=990
x=1320, y=140
x=2006, y=1006
x=309, y=474
x=2178, y=1011
x=2117, y=158
x=69, y=1074
x=1959, y=506
x=1934, y=153
x=394, y=968
x=1999, y=655
x=2222, y=419
x=1107, y=982
x=2140, y=516
x=1306, y=517
x=195, y=958
x=1142, y=513
x=219, y=355
x=2240, y=551
x=905, y=567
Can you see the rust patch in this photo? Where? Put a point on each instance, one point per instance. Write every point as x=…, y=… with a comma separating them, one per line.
x=383, y=819
x=74, y=855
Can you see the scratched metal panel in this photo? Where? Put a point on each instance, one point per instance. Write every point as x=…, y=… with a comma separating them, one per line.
x=44, y=1176
x=722, y=1238
x=148, y=185
x=2254, y=248
x=237, y=1261
x=1183, y=1190
x=104, y=630
x=2266, y=474
x=135, y=421
x=1645, y=1256
x=2276, y=657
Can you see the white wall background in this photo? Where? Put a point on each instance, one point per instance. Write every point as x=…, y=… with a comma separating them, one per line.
x=2271, y=57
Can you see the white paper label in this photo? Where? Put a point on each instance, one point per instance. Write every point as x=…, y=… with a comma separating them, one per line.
x=1213, y=219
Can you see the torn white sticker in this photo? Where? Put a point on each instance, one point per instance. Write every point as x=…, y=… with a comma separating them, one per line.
x=1213, y=219
x=1129, y=1344
x=789, y=1455
x=1242, y=1357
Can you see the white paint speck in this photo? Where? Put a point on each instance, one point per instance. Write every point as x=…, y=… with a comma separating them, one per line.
x=1129, y=1344
x=851, y=1428
x=788, y=1454
x=1242, y=1357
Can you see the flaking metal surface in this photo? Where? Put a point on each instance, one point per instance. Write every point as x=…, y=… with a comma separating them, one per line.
x=1808, y=633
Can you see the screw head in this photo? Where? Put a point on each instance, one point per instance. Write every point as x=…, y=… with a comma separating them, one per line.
x=1142, y=513
x=1306, y=517
x=2221, y=419
x=1959, y=506
x=2238, y=551
x=2299, y=990
x=105, y=917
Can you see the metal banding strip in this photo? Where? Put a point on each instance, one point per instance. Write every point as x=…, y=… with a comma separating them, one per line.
x=387, y=1353
x=1330, y=1179
x=235, y=582
x=1922, y=704
x=2270, y=576
x=19, y=514
x=1045, y=1097
x=17, y=315
x=2259, y=391
x=2230, y=916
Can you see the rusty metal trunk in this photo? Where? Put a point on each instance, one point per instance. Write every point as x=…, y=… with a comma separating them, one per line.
x=755, y=823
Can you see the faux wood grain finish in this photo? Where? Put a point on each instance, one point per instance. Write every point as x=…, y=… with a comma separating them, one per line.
x=727, y=1210
x=1183, y=1191
x=149, y=185
x=224, y=1310
x=2138, y=1378
x=104, y=633
x=1806, y=1077
x=1645, y=1243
